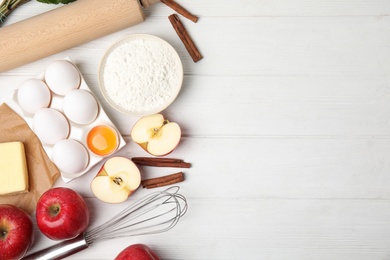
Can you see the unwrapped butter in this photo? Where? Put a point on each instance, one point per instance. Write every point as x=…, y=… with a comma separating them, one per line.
x=13, y=168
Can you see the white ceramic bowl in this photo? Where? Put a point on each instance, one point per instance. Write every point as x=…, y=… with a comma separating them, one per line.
x=140, y=75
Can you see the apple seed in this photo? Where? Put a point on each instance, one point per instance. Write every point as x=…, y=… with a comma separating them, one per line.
x=117, y=180
x=157, y=130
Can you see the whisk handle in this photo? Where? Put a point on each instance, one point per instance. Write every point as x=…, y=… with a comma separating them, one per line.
x=61, y=250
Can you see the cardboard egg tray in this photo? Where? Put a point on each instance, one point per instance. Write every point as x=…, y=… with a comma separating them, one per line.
x=77, y=132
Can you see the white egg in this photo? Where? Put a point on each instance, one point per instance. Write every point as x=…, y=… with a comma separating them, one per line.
x=61, y=77
x=32, y=95
x=50, y=125
x=70, y=156
x=80, y=106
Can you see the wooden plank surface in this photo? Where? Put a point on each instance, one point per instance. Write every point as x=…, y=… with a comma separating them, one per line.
x=275, y=167
x=236, y=228
x=286, y=123
x=263, y=46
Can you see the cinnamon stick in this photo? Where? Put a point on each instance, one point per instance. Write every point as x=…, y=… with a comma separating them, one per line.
x=185, y=37
x=181, y=10
x=163, y=181
x=161, y=162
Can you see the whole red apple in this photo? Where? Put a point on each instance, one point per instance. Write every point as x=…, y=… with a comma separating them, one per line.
x=62, y=214
x=16, y=232
x=137, y=252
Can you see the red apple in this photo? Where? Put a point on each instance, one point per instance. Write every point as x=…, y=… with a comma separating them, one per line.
x=16, y=232
x=62, y=214
x=137, y=252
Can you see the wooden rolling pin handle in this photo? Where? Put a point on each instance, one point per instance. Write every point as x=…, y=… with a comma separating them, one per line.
x=66, y=27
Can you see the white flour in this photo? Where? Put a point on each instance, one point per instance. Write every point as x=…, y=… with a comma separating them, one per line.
x=142, y=75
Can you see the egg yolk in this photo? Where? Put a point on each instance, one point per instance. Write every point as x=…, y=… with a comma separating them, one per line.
x=102, y=140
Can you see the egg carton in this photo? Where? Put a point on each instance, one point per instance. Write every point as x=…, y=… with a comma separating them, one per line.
x=77, y=132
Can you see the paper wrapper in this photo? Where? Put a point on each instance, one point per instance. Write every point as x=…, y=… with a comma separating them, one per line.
x=42, y=171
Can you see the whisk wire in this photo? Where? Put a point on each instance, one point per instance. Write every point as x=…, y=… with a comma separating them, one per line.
x=128, y=217
x=155, y=213
x=172, y=221
x=128, y=213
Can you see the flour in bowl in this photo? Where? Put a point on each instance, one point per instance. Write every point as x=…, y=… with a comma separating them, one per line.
x=142, y=74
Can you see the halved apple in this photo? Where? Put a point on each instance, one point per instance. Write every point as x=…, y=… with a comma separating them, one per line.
x=156, y=135
x=116, y=181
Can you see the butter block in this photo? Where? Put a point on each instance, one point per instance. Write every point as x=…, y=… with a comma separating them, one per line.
x=13, y=168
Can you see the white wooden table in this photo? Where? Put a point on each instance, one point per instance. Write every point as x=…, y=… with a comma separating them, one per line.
x=286, y=122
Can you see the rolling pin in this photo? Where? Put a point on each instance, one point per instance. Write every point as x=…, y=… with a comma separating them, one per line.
x=66, y=27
